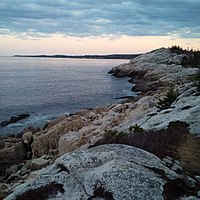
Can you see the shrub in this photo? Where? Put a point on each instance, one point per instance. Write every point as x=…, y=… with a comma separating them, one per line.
x=177, y=49
x=161, y=143
x=196, y=79
x=113, y=134
x=170, y=96
x=136, y=128
x=193, y=56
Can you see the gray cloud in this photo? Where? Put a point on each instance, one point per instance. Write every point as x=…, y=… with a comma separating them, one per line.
x=100, y=17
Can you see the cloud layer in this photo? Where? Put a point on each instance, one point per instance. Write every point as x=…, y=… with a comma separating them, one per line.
x=179, y=18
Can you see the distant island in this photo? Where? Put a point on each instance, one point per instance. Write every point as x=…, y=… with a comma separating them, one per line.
x=111, y=56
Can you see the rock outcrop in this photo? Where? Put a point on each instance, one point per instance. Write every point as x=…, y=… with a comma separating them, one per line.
x=104, y=172
x=47, y=140
x=14, y=119
x=159, y=68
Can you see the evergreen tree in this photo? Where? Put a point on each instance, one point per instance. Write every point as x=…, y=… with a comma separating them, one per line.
x=168, y=99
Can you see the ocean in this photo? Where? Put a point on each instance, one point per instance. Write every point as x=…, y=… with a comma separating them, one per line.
x=49, y=87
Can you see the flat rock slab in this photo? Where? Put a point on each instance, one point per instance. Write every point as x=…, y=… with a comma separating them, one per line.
x=38, y=163
x=103, y=172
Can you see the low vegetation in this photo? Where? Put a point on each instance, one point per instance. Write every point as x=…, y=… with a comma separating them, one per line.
x=193, y=56
x=165, y=102
x=114, y=134
x=161, y=143
x=196, y=80
x=136, y=128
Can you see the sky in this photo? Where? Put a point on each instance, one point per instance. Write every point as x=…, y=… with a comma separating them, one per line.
x=97, y=27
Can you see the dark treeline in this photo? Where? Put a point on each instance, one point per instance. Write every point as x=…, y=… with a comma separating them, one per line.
x=112, y=56
x=193, y=58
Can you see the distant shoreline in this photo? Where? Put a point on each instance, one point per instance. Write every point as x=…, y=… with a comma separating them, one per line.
x=111, y=56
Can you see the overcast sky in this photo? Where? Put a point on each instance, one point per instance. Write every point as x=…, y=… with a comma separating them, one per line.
x=25, y=19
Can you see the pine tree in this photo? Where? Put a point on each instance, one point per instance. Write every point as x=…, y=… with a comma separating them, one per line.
x=170, y=96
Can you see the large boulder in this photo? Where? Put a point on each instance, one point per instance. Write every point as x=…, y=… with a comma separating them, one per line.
x=106, y=172
x=11, y=154
x=46, y=141
x=75, y=140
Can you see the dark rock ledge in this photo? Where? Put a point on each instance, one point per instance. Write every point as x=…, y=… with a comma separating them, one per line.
x=14, y=119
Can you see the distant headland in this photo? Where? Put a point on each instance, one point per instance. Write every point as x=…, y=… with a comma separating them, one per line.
x=111, y=56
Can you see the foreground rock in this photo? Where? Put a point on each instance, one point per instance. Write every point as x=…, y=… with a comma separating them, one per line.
x=104, y=172
x=12, y=152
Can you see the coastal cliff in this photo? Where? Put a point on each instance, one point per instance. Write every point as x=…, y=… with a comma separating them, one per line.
x=169, y=137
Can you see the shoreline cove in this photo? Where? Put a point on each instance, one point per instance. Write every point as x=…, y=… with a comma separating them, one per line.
x=47, y=88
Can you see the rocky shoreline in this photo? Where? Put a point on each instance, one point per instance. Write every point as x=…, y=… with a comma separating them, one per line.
x=88, y=170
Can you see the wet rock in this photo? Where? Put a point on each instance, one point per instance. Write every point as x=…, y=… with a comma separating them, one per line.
x=17, y=118
x=4, y=123
x=14, y=119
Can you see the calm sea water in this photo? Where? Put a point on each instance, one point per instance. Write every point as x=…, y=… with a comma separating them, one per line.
x=48, y=87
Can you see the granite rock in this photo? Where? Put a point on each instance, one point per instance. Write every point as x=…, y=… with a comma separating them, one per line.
x=102, y=172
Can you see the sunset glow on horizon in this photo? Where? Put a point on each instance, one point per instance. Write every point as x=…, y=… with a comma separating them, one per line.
x=11, y=45
x=103, y=27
